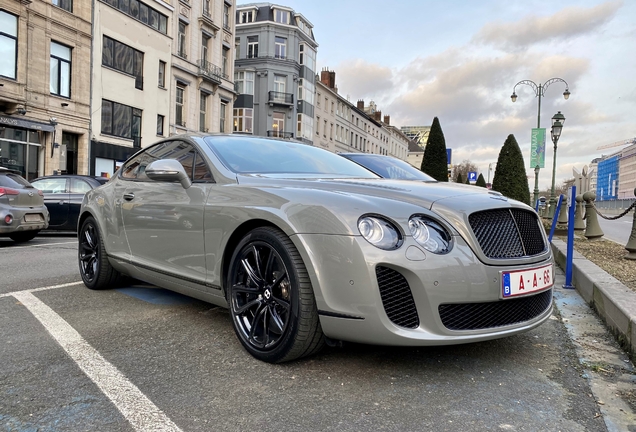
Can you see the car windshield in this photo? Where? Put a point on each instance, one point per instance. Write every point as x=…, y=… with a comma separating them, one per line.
x=389, y=167
x=264, y=156
x=14, y=181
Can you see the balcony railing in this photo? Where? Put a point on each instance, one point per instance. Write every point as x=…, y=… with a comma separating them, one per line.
x=281, y=98
x=279, y=134
x=210, y=71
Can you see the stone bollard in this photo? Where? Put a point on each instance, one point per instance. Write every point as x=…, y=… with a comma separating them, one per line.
x=579, y=223
x=593, y=230
x=631, y=243
x=563, y=212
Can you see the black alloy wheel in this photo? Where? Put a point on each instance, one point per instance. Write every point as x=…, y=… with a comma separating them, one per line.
x=95, y=269
x=271, y=300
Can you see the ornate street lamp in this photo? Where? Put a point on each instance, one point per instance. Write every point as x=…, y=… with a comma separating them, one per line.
x=557, y=126
x=539, y=91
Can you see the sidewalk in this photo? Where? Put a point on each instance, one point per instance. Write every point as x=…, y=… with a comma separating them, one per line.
x=613, y=302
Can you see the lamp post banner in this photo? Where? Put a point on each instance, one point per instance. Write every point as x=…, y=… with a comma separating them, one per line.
x=537, y=148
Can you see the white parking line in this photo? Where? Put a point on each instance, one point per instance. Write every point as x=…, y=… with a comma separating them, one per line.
x=37, y=245
x=42, y=288
x=142, y=414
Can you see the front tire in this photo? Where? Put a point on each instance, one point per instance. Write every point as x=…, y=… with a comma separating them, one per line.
x=95, y=269
x=271, y=299
x=23, y=236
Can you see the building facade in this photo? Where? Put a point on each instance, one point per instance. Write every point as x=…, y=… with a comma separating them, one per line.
x=44, y=93
x=130, y=79
x=202, y=66
x=275, y=72
x=607, y=178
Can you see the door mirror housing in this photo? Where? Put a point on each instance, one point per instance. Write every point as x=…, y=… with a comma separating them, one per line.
x=168, y=170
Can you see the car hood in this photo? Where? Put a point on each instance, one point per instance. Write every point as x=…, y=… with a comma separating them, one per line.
x=421, y=194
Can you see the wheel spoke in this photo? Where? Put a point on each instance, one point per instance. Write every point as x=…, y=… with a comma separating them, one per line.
x=246, y=306
x=268, y=265
x=251, y=273
x=245, y=289
x=257, y=316
x=279, y=280
x=282, y=303
x=277, y=321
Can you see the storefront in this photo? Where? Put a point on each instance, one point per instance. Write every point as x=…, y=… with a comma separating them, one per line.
x=22, y=145
x=106, y=158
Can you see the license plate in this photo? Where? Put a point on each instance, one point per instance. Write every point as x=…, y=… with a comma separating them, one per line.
x=526, y=281
x=32, y=218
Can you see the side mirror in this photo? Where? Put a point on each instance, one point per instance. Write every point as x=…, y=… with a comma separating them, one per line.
x=168, y=170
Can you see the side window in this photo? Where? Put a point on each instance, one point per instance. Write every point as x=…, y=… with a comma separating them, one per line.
x=51, y=185
x=201, y=171
x=79, y=186
x=135, y=167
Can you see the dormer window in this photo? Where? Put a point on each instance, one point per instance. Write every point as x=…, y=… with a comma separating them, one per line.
x=247, y=16
x=281, y=16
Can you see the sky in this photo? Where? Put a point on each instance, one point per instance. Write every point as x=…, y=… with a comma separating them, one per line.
x=460, y=60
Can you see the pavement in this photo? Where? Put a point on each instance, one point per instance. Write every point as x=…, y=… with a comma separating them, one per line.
x=614, y=303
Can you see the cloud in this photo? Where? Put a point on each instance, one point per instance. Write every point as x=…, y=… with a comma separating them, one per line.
x=363, y=79
x=565, y=24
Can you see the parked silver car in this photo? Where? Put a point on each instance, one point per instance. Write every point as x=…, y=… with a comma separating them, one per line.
x=22, y=210
x=303, y=245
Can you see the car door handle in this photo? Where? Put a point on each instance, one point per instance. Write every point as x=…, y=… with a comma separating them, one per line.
x=129, y=196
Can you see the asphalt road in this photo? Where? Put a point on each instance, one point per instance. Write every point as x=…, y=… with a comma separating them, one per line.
x=617, y=230
x=144, y=359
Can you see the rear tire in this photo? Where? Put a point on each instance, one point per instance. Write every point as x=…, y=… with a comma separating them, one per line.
x=23, y=236
x=95, y=269
x=271, y=299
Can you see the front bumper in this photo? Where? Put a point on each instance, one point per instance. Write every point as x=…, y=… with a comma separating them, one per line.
x=343, y=273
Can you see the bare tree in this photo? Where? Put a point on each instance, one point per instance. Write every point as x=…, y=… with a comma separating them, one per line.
x=463, y=168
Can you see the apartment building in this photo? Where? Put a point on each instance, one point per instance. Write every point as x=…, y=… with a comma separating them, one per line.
x=202, y=66
x=275, y=77
x=159, y=69
x=44, y=93
x=130, y=79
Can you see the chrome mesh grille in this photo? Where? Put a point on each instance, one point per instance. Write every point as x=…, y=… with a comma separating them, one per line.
x=476, y=316
x=397, y=298
x=507, y=233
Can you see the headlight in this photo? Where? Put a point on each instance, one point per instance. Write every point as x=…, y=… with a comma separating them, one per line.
x=379, y=232
x=430, y=234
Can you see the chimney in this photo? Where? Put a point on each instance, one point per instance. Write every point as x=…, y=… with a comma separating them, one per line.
x=377, y=116
x=328, y=78
x=361, y=104
x=387, y=120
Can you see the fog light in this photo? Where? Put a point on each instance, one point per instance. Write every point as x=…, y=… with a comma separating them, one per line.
x=8, y=219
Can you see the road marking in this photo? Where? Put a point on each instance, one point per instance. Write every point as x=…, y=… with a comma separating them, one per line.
x=142, y=414
x=42, y=288
x=37, y=245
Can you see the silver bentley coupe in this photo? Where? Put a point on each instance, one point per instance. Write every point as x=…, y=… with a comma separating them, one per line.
x=305, y=247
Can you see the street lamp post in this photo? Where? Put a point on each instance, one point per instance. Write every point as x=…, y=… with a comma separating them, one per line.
x=490, y=169
x=539, y=91
x=557, y=126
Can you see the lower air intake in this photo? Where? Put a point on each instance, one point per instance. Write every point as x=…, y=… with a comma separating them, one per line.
x=397, y=298
x=476, y=316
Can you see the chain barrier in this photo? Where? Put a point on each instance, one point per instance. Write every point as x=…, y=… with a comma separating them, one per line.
x=612, y=217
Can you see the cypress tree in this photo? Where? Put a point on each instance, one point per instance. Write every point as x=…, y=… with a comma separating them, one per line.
x=435, y=162
x=460, y=179
x=510, y=175
x=480, y=181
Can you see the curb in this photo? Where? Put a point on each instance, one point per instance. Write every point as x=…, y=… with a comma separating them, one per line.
x=614, y=303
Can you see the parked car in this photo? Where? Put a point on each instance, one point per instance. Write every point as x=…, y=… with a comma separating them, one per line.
x=304, y=245
x=63, y=195
x=22, y=210
x=387, y=166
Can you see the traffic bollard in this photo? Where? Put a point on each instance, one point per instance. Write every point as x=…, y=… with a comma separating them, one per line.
x=579, y=223
x=631, y=243
x=593, y=230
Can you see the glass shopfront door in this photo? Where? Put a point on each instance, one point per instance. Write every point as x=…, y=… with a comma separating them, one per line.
x=19, y=150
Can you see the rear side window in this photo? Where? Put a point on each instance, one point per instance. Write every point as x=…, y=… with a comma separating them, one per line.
x=79, y=186
x=51, y=185
x=14, y=181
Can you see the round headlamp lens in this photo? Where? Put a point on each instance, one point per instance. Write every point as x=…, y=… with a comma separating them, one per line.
x=430, y=235
x=379, y=232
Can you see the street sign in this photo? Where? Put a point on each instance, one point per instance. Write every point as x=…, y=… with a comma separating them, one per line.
x=537, y=148
x=472, y=176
